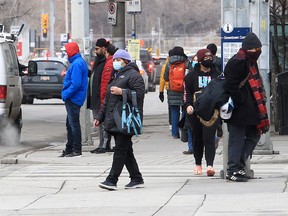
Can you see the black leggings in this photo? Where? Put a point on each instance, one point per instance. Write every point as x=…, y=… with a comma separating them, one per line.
x=203, y=138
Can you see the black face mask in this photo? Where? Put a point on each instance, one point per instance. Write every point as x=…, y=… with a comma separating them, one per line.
x=207, y=63
x=254, y=55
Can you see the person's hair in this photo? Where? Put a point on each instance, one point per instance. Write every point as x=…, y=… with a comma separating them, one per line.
x=212, y=47
x=111, y=49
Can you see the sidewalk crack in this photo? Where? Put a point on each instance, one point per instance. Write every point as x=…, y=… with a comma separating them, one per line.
x=202, y=204
x=285, y=186
x=170, y=198
x=61, y=187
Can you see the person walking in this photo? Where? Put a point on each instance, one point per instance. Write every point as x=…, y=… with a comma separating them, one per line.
x=203, y=136
x=98, y=78
x=74, y=94
x=126, y=77
x=249, y=117
x=163, y=84
x=179, y=65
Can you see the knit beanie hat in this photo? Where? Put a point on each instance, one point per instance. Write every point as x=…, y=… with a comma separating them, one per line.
x=251, y=41
x=102, y=42
x=177, y=50
x=202, y=53
x=123, y=54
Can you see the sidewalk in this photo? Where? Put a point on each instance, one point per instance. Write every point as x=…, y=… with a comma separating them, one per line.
x=41, y=183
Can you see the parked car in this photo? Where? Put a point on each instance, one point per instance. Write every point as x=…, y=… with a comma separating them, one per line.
x=149, y=67
x=159, y=62
x=10, y=88
x=143, y=74
x=48, y=81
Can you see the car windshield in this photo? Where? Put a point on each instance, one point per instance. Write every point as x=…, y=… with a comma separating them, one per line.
x=50, y=67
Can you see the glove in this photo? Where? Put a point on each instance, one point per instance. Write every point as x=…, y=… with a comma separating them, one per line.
x=161, y=96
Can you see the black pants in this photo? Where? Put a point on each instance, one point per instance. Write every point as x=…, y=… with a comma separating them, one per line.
x=241, y=143
x=203, y=138
x=123, y=155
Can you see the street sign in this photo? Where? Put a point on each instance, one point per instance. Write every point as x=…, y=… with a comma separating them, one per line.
x=98, y=1
x=134, y=48
x=15, y=29
x=134, y=6
x=112, y=12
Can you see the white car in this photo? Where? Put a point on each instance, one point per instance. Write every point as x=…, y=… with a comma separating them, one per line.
x=143, y=74
x=10, y=86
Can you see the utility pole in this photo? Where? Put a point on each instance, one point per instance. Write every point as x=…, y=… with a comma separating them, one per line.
x=118, y=30
x=66, y=18
x=80, y=31
x=252, y=14
x=51, y=21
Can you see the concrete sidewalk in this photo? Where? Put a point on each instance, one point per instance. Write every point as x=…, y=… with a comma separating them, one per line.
x=41, y=183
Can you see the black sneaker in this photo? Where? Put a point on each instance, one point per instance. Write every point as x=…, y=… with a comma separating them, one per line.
x=236, y=177
x=74, y=154
x=108, y=185
x=135, y=184
x=100, y=151
x=243, y=174
x=188, y=152
x=64, y=153
x=109, y=150
x=95, y=150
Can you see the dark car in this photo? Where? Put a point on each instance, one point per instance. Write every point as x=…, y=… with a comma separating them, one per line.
x=48, y=81
x=149, y=67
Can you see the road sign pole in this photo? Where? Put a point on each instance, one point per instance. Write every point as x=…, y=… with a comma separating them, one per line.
x=80, y=30
x=118, y=30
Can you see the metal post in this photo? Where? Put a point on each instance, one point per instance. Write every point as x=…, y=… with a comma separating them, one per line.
x=133, y=34
x=260, y=18
x=66, y=17
x=118, y=30
x=79, y=30
x=51, y=21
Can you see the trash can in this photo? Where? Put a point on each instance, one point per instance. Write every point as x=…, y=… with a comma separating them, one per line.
x=282, y=102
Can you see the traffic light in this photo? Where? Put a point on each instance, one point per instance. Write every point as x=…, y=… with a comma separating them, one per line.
x=44, y=31
x=44, y=24
x=45, y=21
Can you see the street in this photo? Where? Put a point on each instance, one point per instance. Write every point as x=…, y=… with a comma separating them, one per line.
x=41, y=183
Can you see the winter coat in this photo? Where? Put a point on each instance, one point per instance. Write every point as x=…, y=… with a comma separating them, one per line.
x=76, y=80
x=93, y=97
x=175, y=98
x=245, y=110
x=196, y=81
x=106, y=76
x=162, y=82
x=127, y=78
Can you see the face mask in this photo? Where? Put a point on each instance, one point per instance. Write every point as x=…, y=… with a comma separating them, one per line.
x=117, y=65
x=254, y=55
x=207, y=63
x=194, y=63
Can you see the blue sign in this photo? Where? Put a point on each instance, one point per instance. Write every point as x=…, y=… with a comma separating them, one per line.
x=231, y=41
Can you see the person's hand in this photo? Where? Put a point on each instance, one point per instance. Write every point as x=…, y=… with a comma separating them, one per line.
x=161, y=96
x=96, y=123
x=189, y=110
x=116, y=90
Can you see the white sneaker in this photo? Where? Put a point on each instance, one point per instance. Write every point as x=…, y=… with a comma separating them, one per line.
x=170, y=127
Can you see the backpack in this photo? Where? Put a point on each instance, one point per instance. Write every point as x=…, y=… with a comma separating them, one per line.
x=127, y=116
x=208, y=102
x=176, y=76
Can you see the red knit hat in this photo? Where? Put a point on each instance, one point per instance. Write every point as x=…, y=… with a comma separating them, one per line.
x=202, y=53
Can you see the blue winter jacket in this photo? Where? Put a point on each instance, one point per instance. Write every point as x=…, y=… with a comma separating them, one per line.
x=76, y=80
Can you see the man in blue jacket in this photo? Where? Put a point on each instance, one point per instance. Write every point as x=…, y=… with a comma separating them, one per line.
x=74, y=94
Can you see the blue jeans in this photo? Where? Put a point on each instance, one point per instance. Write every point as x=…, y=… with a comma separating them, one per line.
x=241, y=143
x=190, y=145
x=73, y=128
x=175, y=113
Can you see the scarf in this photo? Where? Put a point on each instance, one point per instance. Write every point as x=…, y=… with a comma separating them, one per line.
x=259, y=94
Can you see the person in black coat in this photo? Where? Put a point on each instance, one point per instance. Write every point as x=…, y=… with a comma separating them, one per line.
x=249, y=117
x=202, y=136
x=125, y=76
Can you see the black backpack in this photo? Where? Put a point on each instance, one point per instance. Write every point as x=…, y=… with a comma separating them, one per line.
x=209, y=101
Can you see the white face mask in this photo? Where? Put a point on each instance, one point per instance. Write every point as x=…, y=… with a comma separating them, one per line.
x=117, y=65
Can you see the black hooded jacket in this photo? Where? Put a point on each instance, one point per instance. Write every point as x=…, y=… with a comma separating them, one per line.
x=127, y=78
